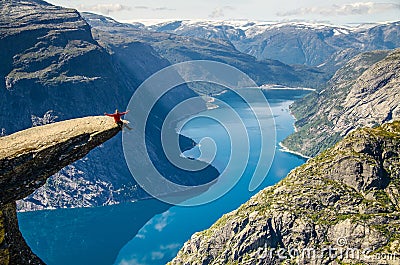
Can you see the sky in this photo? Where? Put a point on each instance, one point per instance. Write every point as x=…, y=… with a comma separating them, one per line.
x=335, y=12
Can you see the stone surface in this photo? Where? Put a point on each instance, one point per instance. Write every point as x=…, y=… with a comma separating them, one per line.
x=345, y=200
x=13, y=248
x=363, y=93
x=51, y=64
x=28, y=158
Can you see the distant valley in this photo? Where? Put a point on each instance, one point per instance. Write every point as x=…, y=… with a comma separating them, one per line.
x=97, y=63
x=324, y=46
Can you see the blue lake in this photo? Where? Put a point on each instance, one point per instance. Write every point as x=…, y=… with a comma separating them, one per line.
x=150, y=231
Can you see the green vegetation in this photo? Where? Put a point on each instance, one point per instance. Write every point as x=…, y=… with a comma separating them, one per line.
x=324, y=118
x=314, y=204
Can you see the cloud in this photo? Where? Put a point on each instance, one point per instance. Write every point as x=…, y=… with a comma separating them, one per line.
x=133, y=261
x=216, y=13
x=105, y=9
x=142, y=7
x=162, y=221
x=157, y=255
x=220, y=11
x=359, y=8
x=165, y=249
x=171, y=247
x=229, y=7
x=163, y=8
x=140, y=236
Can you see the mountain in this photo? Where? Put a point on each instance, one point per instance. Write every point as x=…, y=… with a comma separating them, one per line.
x=176, y=48
x=312, y=44
x=53, y=69
x=28, y=158
x=363, y=93
x=341, y=207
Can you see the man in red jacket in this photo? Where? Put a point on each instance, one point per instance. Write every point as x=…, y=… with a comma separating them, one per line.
x=117, y=116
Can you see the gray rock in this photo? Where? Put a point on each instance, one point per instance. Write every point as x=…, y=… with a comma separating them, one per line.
x=363, y=93
x=50, y=63
x=318, y=214
x=28, y=158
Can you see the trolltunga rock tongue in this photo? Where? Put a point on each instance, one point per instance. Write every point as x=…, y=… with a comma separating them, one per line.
x=29, y=157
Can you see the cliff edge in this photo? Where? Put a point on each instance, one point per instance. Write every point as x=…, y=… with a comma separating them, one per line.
x=28, y=158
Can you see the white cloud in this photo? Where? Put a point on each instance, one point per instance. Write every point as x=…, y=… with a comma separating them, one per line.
x=130, y=262
x=219, y=12
x=359, y=8
x=105, y=9
x=216, y=13
x=172, y=246
x=157, y=255
x=142, y=7
x=162, y=221
x=140, y=236
x=163, y=8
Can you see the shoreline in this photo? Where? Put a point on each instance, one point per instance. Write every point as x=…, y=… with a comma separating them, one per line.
x=294, y=123
x=210, y=99
x=278, y=87
x=287, y=150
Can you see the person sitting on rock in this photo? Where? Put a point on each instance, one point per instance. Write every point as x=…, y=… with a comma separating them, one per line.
x=117, y=117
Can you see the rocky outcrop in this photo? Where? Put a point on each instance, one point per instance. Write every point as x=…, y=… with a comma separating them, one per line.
x=51, y=64
x=28, y=158
x=49, y=55
x=363, y=93
x=341, y=207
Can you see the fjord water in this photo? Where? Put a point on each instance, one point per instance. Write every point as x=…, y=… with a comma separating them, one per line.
x=150, y=231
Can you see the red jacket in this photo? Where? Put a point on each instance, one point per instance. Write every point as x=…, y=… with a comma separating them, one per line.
x=117, y=116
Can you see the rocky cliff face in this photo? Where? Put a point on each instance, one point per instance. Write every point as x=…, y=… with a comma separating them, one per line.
x=48, y=54
x=51, y=62
x=341, y=207
x=365, y=92
x=28, y=158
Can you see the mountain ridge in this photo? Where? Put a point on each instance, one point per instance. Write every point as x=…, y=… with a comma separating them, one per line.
x=364, y=92
x=343, y=200
x=176, y=48
x=52, y=67
x=324, y=46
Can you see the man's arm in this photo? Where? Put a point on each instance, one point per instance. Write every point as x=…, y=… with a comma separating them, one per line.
x=123, y=113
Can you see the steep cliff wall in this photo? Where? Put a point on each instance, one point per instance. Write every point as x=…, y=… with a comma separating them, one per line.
x=363, y=93
x=341, y=207
x=28, y=158
x=50, y=61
